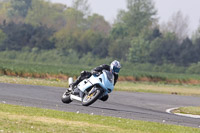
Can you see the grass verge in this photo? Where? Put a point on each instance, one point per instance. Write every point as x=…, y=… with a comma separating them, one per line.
x=176, y=89
x=28, y=119
x=34, y=81
x=188, y=110
x=193, y=90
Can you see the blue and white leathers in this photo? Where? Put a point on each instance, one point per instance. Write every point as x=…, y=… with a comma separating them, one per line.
x=105, y=80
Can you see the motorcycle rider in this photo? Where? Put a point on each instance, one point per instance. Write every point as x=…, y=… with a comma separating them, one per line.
x=114, y=67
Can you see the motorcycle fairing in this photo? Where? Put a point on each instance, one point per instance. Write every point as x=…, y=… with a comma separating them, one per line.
x=105, y=80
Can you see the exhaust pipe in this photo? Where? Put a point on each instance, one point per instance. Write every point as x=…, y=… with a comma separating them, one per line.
x=70, y=80
x=73, y=97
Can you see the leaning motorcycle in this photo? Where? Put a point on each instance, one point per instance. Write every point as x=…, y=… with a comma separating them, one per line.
x=91, y=89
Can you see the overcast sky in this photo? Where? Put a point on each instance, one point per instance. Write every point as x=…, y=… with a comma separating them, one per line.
x=109, y=9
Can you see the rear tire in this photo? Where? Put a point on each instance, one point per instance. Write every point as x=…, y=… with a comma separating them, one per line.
x=66, y=97
x=88, y=100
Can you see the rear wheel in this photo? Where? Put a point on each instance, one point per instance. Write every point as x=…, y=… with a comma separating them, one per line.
x=66, y=97
x=92, y=96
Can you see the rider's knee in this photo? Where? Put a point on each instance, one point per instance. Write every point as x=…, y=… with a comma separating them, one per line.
x=85, y=74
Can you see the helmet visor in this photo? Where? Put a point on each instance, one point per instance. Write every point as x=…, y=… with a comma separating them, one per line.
x=116, y=70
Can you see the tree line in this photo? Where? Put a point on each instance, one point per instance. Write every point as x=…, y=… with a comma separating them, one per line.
x=136, y=36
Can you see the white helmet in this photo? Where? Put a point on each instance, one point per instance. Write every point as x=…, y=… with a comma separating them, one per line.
x=115, y=67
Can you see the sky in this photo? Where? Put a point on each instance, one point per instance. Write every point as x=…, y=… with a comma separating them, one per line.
x=165, y=8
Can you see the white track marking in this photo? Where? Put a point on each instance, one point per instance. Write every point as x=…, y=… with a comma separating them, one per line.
x=186, y=115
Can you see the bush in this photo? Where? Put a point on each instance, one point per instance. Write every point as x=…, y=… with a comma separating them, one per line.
x=194, y=68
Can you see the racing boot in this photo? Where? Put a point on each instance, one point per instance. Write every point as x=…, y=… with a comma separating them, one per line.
x=71, y=87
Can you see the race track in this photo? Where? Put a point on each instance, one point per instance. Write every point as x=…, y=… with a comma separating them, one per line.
x=137, y=106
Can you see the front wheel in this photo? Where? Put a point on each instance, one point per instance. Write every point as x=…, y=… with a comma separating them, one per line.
x=66, y=97
x=92, y=96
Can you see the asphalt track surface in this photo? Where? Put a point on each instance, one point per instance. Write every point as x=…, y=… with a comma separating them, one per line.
x=136, y=106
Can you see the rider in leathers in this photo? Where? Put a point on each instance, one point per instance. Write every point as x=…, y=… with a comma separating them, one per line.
x=114, y=67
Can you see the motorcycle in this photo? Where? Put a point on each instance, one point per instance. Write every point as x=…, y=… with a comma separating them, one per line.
x=91, y=89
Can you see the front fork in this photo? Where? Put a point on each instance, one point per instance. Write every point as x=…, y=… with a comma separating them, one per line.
x=81, y=94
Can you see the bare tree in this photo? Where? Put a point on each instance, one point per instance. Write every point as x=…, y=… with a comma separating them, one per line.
x=82, y=5
x=196, y=34
x=178, y=24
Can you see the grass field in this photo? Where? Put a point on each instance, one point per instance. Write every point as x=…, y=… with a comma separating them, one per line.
x=41, y=70
x=20, y=68
x=28, y=119
x=192, y=90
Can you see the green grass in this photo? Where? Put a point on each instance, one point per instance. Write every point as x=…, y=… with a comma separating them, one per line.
x=188, y=110
x=191, y=90
x=162, y=76
x=28, y=119
x=34, y=81
x=20, y=68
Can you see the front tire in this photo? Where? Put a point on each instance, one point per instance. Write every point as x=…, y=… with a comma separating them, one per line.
x=90, y=98
x=66, y=97
x=104, y=98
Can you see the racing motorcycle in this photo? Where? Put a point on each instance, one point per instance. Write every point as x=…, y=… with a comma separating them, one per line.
x=91, y=89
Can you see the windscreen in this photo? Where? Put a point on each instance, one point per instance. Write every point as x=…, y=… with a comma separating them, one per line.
x=110, y=76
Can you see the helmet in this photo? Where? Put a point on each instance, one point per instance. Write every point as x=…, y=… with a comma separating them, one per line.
x=115, y=67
